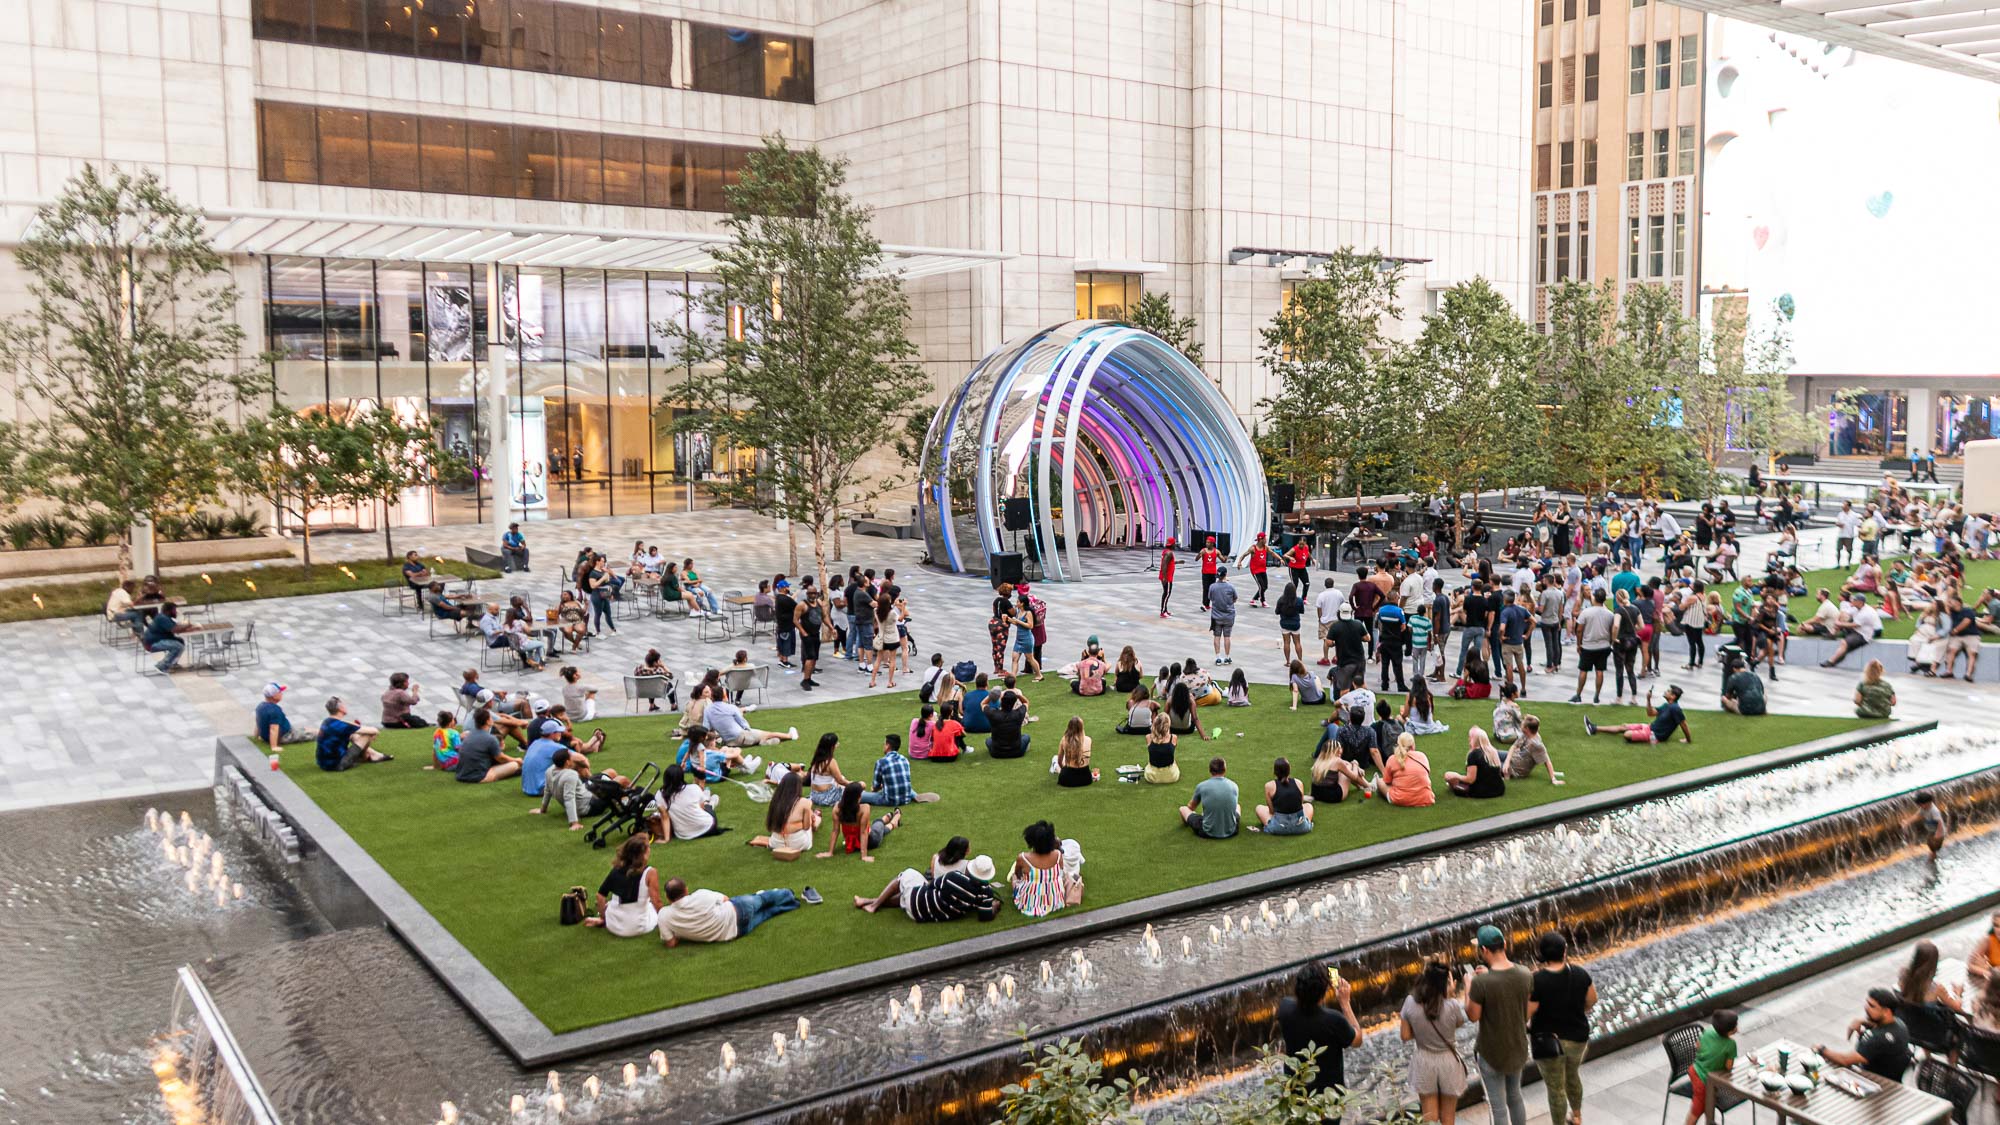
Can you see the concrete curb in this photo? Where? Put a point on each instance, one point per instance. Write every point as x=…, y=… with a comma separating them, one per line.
x=532, y=1044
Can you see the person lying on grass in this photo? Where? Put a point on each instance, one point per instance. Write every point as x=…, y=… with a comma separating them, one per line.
x=708, y=916
x=945, y=897
x=1665, y=720
x=854, y=830
x=790, y=820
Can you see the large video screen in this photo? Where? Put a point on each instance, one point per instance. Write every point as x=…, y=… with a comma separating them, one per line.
x=1859, y=194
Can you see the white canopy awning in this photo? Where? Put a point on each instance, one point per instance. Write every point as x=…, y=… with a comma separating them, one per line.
x=1961, y=36
x=411, y=239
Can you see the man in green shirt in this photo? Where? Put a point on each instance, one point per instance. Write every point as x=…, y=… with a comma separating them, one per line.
x=1498, y=1002
x=1214, y=812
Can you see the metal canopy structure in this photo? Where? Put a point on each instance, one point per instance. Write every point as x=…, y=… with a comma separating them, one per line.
x=1113, y=437
x=414, y=239
x=1961, y=36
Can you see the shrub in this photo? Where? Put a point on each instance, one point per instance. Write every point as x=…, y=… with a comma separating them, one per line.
x=170, y=529
x=207, y=525
x=99, y=528
x=55, y=531
x=244, y=525
x=21, y=533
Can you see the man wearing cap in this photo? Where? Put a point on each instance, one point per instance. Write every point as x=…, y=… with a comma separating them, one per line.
x=272, y=727
x=1210, y=559
x=514, y=549
x=1498, y=1003
x=1259, y=557
x=952, y=895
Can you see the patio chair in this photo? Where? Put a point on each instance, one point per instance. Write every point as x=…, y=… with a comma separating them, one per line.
x=1934, y=1028
x=714, y=627
x=242, y=651
x=665, y=608
x=1680, y=1044
x=1940, y=1079
x=641, y=688
x=395, y=596
x=740, y=680
x=504, y=658
x=765, y=615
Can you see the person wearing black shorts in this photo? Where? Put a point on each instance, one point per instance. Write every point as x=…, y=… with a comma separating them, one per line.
x=807, y=617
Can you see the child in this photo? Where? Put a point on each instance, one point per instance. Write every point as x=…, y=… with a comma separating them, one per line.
x=1715, y=1053
x=444, y=743
x=1477, y=682
x=1507, y=715
x=1931, y=824
x=1239, y=690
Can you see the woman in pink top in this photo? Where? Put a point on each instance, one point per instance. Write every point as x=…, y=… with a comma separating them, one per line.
x=1406, y=776
x=923, y=732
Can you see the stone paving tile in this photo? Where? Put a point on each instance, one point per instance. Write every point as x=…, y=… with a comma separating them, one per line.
x=79, y=723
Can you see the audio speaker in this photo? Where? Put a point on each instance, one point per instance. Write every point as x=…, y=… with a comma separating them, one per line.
x=1222, y=543
x=1003, y=567
x=1283, y=496
x=1197, y=539
x=1018, y=516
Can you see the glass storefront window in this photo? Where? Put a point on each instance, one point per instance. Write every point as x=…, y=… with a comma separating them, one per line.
x=1963, y=418
x=1106, y=296
x=1877, y=428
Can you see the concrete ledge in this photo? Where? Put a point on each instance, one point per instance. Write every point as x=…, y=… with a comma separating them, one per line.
x=532, y=1044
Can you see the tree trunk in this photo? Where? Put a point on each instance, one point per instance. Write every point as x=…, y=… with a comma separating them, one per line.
x=306, y=538
x=388, y=545
x=836, y=535
x=125, y=556
x=819, y=555
x=792, y=544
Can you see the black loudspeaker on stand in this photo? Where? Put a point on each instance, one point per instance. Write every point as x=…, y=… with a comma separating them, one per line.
x=1004, y=567
x=1283, y=496
x=1017, y=516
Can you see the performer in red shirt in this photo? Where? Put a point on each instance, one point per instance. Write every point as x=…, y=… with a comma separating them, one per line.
x=1301, y=558
x=1259, y=557
x=1210, y=559
x=1166, y=578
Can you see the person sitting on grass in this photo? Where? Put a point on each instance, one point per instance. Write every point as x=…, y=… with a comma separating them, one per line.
x=703, y=755
x=1181, y=711
x=790, y=820
x=1090, y=671
x=1041, y=886
x=1238, y=694
x=1743, y=693
x=1161, y=741
x=343, y=744
x=923, y=730
x=508, y=722
x=1482, y=777
x=568, y=780
x=948, y=739
x=399, y=704
x=480, y=759
x=1305, y=686
x=1073, y=756
x=683, y=809
x=1127, y=673
x=1005, y=715
x=1333, y=776
x=1286, y=810
x=962, y=892
x=1874, y=698
x=1213, y=812
x=892, y=778
x=725, y=719
x=1140, y=708
x=1386, y=726
x=1419, y=713
x=273, y=727
x=1507, y=715
x=855, y=826
x=1520, y=762
x=1406, y=776
x=1866, y=579
x=1664, y=720
x=444, y=742
x=973, y=710
x=628, y=900
x=711, y=916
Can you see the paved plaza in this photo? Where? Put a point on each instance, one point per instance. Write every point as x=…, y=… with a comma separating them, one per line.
x=84, y=725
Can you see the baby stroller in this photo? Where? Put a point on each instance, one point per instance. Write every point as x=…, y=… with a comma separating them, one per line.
x=626, y=810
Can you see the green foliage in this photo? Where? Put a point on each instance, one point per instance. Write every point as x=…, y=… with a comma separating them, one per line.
x=22, y=532
x=1327, y=354
x=1470, y=379
x=400, y=454
x=1607, y=385
x=822, y=376
x=54, y=531
x=98, y=528
x=1284, y=1096
x=299, y=462
x=1155, y=314
x=206, y=525
x=244, y=525
x=1065, y=1086
x=127, y=354
x=1737, y=397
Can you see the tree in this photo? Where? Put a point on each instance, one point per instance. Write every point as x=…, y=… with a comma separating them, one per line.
x=1606, y=419
x=1469, y=376
x=300, y=462
x=397, y=456
x=1066, y=1086
x=1661, y=346
x=1736, y=399
x=127, y=356
x=820, y=375
x=1327, y=354
x=1283, y=1095
x=1155, y=314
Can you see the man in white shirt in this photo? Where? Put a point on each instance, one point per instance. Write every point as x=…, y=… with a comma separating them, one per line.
x=1411, y=593
x=1594, y=631
x=1845, y=522
x=1669, y=527
x=1859, y=624
x=1327, y=605
x=1825, y=620
x=710, y=916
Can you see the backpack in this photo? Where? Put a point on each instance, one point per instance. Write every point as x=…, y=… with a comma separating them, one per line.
x=965, y=671
x=929, y=685
x=572, y=911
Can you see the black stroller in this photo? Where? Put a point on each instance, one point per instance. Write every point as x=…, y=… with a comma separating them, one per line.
x=626, y=810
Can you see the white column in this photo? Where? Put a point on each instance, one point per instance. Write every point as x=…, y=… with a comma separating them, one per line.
x=503, y=460
x=1922, y=419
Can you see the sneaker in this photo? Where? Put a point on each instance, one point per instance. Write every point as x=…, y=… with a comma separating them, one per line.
x=1325, y=663
x=810, y=896
x=1220, y=660
x=1576, y=698
x=1588, y=726
x=808, y=685
x=749, y=707
x=792, y=734
x=752, y=763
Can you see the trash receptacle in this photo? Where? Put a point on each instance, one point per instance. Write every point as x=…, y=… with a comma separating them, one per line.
x=1730, y=659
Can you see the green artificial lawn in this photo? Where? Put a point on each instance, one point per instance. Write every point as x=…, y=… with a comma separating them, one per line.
x=287, y=580
x=1980, y=574
x=492, y=873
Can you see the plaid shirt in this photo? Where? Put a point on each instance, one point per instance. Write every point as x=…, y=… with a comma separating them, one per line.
x=892, y=779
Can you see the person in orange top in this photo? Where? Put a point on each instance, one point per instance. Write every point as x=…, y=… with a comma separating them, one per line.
x=1985, y=951
x=1259, y=557
x=1210, y=559
x=1406, y=776
x=948, y=736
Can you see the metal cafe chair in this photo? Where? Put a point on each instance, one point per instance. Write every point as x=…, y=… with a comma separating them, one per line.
x=1680, y=1044
x=1940, y=1079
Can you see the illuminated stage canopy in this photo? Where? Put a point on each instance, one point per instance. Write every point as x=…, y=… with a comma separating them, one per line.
x=1112, y=437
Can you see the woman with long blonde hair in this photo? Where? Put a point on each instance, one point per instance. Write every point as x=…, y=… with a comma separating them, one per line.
x=1073, y=756
x=1482, y=777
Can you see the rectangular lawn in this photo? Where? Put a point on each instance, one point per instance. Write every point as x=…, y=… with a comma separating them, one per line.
x=491, y=873
x=1980, y=574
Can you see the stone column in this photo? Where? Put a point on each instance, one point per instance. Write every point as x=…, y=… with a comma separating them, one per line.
x=503, y=460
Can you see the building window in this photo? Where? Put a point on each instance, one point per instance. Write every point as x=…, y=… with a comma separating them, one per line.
x=1583, y=249
x=404, y=152
x=1106, y=296
x=1541, y=253
x=1569, y=82
x=1638, y=70
x=1684, y=151
x=1660, y=154
x=1635, y=156
x=1690, y=59
x=1545, y=83
x=1569, y=9
x=1638, y=3
x=1548, y=12
x=1542, y=182
x=1590, y=164
x=1590, y=77
x=1663, y=64
x=1563, y=271
x=1567, y=166
x=550, y=37
x=1632, y=247
x=1590, y=9
x=1680, y=243
x=1656, y=246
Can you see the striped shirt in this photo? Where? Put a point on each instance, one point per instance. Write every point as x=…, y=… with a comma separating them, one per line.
x=951, y=896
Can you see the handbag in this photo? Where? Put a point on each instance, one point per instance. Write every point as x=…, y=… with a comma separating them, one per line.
x=572, y=911
x=1544, y=1044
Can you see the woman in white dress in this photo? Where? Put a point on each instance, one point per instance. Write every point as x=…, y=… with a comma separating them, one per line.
x=628, y=901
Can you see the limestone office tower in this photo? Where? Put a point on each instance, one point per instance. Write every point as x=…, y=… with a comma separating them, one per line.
x=478, y=209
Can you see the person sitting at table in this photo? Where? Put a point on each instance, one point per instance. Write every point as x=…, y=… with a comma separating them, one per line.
x=444, y=607
x=572, y=618
x=119, y=609
x=655, y=667
x=1881, y=1042
x=671, y=590
x=162, y=635
x=532, y=649
x=1985, y=951
x=1918, y=984
x=273, y=727
x=514, y=550
x=415, y=574
x=399, y=704
x=150, y=593
x=342, y=743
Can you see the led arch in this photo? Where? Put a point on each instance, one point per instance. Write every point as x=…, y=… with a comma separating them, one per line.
x=1113, y=437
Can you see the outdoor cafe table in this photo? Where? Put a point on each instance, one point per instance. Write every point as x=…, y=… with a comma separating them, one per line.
x=205, y=643
x=1894, y=1104
x=738, y=606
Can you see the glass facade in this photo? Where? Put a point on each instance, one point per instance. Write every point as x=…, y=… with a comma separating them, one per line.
x=304, y=144
x=591, y=381
x=1106, y=296
x=547, y=37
